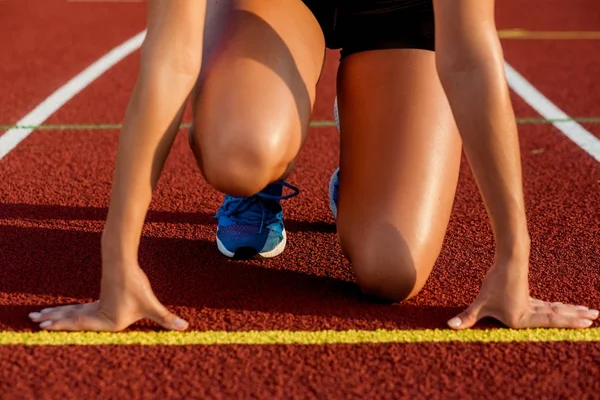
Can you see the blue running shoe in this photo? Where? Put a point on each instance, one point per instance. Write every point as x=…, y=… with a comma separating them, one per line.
x=253, y=226
x=334, y=182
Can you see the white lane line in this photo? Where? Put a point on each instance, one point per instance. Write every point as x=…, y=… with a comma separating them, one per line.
x=577, y=133
x=574, y=131
x=45, y=109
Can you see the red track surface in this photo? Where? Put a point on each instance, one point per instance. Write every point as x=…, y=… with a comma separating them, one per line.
x=44, y=43
x=415, y=371
x=54, y=192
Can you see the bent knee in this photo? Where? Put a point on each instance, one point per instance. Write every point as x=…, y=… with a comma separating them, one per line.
x=386, y=278
x=385, y=266
x=241, y=160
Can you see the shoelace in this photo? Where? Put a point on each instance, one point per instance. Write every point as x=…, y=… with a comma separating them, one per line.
x=250, y=210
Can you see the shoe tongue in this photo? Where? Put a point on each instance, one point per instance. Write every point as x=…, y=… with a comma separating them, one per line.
x=259, y=204
x=273, y=189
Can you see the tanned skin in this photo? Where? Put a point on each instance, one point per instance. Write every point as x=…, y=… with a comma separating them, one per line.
x=392, y=230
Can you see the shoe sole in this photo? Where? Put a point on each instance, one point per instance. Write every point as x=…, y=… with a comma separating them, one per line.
x=332, y=204
x=248, y=252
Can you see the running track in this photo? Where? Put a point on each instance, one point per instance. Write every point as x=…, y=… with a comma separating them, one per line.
x=54, y=189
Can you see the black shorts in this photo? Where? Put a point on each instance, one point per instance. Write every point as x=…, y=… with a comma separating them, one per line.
x=361, y=25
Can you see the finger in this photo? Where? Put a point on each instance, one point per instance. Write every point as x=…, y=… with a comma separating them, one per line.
x=43, y=314
x=469, y=317
x=79, y=322
x=568, y=310
x=464, y=320
x=60, y=312
x=157, y=312
x=552, y=320
x=162, y=316
x=538, y=302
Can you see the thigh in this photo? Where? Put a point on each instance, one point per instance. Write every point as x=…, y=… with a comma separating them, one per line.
x=259, y=87
x=399, y=160
x=218, y=13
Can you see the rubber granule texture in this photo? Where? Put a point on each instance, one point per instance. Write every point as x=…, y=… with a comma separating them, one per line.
x=417, y=371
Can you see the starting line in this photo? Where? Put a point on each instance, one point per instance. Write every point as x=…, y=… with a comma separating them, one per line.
x=280, y=337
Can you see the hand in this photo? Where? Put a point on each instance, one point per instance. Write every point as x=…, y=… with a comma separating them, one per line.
x=125, y=298
x=504, y=295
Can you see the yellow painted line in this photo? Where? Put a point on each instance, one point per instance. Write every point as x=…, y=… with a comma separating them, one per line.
x=171, y=338
x=551, y=35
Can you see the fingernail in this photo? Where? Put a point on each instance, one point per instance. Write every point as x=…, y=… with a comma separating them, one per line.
x=45, y=310
x=180, y=324
x=35, y=315
x=45, y=324
x=455, y=322
x=586, y=322
x=594, y=313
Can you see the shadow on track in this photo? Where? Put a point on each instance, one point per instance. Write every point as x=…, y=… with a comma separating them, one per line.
x=309, y=287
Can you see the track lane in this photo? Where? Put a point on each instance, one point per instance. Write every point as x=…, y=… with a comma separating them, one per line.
x=53, y=197
x=548, y=15
x=51, y=225
x=567, y=72
x=423, y=371
x=51, y=41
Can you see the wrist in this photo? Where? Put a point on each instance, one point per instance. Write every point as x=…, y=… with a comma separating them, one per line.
x=513, y=245
x=116, y=250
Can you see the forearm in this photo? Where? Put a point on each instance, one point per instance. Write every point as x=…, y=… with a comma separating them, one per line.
x=150, y=126
x=171, y=59
x=479, y=97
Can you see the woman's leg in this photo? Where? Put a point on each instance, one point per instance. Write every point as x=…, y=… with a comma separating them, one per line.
x=253, y=108
x=251, y=116
x=399, y=164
